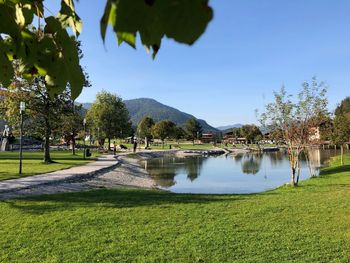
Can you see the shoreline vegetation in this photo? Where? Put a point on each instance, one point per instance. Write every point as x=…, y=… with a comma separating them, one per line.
x=308, y=223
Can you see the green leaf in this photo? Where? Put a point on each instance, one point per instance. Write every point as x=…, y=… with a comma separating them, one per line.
x=129, y=38
x=6, y=70
x=8, y=24
x=69, y=18
x=183, y=20
x=105, y=19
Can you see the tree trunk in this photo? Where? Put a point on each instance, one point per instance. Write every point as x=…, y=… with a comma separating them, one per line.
x=293, y=182
x=341, y=155
x=163, y=144
x=298, y=175
x=73, y=144
x=109, y=143
x=146, y=142
x=47, y=157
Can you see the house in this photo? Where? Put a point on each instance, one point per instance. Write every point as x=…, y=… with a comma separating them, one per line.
x=230, y=138
x=208, y=137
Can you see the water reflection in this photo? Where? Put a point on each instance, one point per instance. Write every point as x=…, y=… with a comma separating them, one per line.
x=164, y=170
x=229, y=174
x=251, y=163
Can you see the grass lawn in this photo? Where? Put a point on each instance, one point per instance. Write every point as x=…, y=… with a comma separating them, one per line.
x=32, y=163
x=308, y=224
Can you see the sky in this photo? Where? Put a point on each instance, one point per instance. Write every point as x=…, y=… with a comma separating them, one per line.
x=250, y=49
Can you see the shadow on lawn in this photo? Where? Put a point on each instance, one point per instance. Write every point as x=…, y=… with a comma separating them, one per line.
x=112, y=199
x=335, y=169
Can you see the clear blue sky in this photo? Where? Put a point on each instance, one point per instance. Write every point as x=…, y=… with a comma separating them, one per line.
x=250, y=48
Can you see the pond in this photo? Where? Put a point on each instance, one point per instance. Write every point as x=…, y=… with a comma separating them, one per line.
x=229, y=174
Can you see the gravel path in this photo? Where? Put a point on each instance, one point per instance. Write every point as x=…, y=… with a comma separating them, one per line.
x=107, y=172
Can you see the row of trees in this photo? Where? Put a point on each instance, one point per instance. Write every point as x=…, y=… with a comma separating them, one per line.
x=163, y=129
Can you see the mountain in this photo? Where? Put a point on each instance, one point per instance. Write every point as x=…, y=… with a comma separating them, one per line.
x=223, y=128
x=138, y=108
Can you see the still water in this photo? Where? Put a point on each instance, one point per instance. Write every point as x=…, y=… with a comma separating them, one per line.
x=244, y=173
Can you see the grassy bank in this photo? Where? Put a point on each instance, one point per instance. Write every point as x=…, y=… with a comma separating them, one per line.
x=32, y=163
x=308, y=224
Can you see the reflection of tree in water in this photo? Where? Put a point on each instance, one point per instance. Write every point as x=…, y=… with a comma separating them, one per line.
x=276, y=158
x=238, y=158
x=251, y=163
x=193, y=167
x=164, y=170
x=161, y=171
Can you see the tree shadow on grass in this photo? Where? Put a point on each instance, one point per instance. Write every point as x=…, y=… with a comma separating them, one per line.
x=334, y=170
x=113, y=199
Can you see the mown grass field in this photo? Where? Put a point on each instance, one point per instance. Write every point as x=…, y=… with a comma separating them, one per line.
x=32, y=163
x=310, y=223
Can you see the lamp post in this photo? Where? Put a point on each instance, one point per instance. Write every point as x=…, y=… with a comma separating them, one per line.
x=22, y=107
x=84, y=123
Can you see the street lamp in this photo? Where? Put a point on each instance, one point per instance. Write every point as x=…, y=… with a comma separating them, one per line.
x=22, y=107
x=84, y=123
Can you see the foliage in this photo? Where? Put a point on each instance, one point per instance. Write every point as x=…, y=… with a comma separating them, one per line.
x=344, y=108
x=144, y=128
x=44, y=113
x=163, y=129
x=51, y=52
x=251, y=132
x=326, y=128
x=296, y=119
x=71, y=125
x=108, y=117
x=341, y=132
x=158, y=226
x=179, y=133
x=193, y=129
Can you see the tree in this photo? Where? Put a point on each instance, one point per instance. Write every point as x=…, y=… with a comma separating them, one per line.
x=54, y=55
x=144, y=129
x=71, y=125
x=179, y=133
x=344, y=108
x=251, y=133
x=295, y=119
x=163, y=129
x=108, y=116
x=341, y=133
x=45, y=113
x=193, y=129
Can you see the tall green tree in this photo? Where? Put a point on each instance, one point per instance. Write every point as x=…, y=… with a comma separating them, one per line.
x=179, y=133
x=108, y=116
x=71, y=124
x=54, y=55
x=251, y=132
x=296, y=118
x=344, y=108
x=341, y=133
x=44, y=113
x=144, y=129
x=193, y=129
x=163, y=129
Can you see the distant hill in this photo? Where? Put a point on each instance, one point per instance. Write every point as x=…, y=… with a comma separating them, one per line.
x=138, y=108
x=227, y=127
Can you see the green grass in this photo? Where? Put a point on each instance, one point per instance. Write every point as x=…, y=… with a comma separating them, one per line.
x=310, y=223
x=32, y=163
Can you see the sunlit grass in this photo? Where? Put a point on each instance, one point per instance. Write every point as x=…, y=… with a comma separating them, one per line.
x=33, y=164
x=310, y=223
